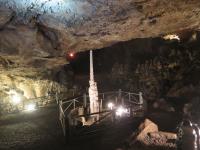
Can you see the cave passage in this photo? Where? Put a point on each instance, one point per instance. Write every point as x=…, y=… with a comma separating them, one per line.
x=159, y=68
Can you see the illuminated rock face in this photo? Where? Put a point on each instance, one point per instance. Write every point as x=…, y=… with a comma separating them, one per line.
x=29, y=85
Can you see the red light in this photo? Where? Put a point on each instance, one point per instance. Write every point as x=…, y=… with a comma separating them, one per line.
x=71, y=55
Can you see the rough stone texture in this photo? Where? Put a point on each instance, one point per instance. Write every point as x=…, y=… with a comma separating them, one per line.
x=5, y=17
x=145, y=128
x=90, y=25
x=162, y=139
x=29, y=37
x=150, y=136
x=28, y=84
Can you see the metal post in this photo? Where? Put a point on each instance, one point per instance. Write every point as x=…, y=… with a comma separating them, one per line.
x=120, y=95
x=101, y=104
x=129, y=96
x=140, y=98
x=64, y=126
x=74, y=101
x=84, y=100
x=60, y=111
x=56, y=97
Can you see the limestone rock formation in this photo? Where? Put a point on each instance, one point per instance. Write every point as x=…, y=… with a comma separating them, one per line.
x=163, y=139
x=150, y=136
x=37, y=30
x=31, y=84
x=147, y=127
x=38, y=34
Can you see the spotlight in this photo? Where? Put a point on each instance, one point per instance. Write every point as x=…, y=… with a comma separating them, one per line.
x=16, y=99
x=110, y=105
x=120, y=111
x=30, y=107
x=71, y=55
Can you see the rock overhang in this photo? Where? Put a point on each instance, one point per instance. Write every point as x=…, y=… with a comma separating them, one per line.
x=44, y=30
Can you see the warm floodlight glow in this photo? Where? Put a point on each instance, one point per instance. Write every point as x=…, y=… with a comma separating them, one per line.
x=120, y=111
x=110, y=106
x=171, y=37
x=16, y=99
x=30, y=107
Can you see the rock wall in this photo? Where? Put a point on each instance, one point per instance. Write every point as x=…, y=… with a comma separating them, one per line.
x=30, y=85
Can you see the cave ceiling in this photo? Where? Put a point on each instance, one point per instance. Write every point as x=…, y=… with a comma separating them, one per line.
x=40, y=32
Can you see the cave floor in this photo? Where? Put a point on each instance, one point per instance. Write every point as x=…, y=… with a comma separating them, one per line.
x=35, y=130
x=41, y=130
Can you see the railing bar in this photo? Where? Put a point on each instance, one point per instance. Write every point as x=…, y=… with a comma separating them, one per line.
x=105, y=111
x=67, y=102
x=68, y=106
x=134, y=102
x=130, y=93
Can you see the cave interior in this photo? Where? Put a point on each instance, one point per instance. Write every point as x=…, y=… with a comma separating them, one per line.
x=147, y=46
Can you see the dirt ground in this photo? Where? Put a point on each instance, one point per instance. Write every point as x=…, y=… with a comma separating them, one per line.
x=36, y=130
x=41, y=130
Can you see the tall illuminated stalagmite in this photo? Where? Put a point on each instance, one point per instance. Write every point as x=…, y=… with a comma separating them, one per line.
x=93, y=91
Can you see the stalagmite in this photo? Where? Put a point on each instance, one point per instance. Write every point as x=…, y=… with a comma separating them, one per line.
x=93, y=91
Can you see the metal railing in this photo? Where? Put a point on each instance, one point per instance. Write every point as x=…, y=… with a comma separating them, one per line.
x=121, y=97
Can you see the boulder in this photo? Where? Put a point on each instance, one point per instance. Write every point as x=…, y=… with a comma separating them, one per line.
x=150, y=136
x=147, y=127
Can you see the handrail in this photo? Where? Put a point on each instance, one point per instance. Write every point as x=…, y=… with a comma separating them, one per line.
x=111, y=92
x=67, y=107
x=128, y=94
x=68, y=99
x=123, y=97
